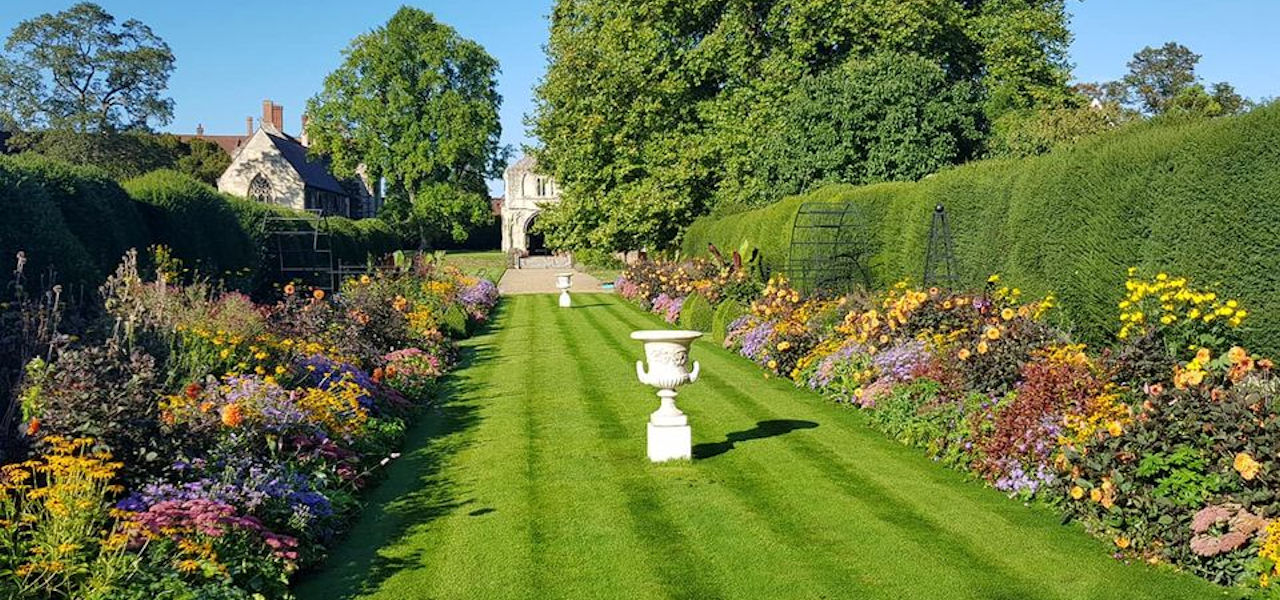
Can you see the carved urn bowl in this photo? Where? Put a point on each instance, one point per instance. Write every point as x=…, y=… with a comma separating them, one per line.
x=667, y=352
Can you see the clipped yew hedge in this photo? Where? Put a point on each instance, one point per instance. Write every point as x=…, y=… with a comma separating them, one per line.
x=79, y=222
x=1200, y=199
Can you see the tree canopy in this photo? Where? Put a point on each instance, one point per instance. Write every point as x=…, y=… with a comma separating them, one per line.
x=415, y=104
x=1163, y=81
x=79, y=70
x=653, y=113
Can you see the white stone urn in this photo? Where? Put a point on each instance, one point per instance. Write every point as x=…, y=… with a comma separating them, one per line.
x=667, y=352
x=563, y=282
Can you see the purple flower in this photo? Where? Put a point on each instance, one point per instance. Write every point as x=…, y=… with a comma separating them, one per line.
x=900, y=363
x=755, y=342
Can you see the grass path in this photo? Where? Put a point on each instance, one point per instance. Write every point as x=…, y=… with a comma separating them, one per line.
x=531, y=482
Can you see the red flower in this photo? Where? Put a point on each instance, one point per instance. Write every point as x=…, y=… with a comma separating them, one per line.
x=34, y=426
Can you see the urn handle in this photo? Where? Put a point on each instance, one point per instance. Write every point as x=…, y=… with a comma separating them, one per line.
x=693, y=375
x=644, y=377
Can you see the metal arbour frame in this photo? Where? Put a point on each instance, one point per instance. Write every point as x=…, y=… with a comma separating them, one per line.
x=830, y=248
x=301, y=248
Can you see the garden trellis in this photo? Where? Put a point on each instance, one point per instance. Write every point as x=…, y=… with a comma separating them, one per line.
x=830, y=249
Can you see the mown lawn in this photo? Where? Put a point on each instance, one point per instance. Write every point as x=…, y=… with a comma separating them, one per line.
x=485, y=263
x=531, y=482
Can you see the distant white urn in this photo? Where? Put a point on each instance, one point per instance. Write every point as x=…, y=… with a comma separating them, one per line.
x=564, y=281
x=667, y=353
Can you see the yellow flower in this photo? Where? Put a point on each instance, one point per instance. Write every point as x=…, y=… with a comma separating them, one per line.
x=963, y=354
x=1007, y=314
x=1077, y=492
x=1203, y=356
x=1095, y=494
x=993, y=333
x=1115, y=428
x=1246, y=466
x=993, y=279
x=982, y=347
x=1122, y=542
x=773, y=364
x=784, y=346
x=1193, y=313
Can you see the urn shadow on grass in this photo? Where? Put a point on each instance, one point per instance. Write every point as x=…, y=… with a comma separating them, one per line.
x=417, y=489
x=762, y=430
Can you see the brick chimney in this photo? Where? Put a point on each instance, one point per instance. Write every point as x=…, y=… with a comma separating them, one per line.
x=274, y=114
x=248, y=125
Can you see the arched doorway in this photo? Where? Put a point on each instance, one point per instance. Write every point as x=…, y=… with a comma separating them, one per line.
x=535, y=242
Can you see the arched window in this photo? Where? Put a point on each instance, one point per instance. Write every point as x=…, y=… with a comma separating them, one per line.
x=260, y=188
x=542, y=187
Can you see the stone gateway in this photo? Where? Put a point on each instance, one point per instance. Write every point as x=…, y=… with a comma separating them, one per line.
x=528, y=193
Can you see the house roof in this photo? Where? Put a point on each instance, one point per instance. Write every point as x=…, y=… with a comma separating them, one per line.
x=229, y=143
x=314, y=171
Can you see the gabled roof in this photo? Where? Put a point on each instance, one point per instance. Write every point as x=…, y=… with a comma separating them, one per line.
x=229, y=143
x=313, y=171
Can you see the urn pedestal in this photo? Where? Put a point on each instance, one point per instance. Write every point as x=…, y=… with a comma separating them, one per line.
x=667, y=354
x=563, y=282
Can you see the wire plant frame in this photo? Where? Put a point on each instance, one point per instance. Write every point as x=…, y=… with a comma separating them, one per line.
x=939, y=260
x=830, y=248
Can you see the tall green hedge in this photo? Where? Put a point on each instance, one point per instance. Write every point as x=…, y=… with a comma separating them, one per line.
x=1200, y=199
x=195, y=221
x=80, y=222
x=32, y=223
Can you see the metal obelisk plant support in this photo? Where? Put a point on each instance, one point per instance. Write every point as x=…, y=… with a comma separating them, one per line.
x=667, y=353
x=940, y=251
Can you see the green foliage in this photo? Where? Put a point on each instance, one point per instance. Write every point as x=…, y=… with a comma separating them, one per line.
x=194, y=220
x=1030, y=132
x=33, y=224
x=95, y=210
x=120, y=155
x=889, y=117
x=726, y=313
x=201, y=159
x=79, y=70
x=1193, y=198
x=652, y=115
x=454, y=321
x=696, y=313
x=416, y=104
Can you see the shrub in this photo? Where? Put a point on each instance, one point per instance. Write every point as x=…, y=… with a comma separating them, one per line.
x=726, y=313
x=696, y=314
x=1198, y=198
x=197, y=222
x=96, y=210
x=33, y=223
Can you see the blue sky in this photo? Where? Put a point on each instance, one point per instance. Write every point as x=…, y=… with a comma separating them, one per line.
x=232, y=54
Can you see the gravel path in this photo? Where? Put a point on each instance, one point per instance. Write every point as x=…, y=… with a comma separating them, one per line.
x=543, y=281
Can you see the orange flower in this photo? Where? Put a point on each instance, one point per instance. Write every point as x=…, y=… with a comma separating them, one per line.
x=1122, y=542
x=34, y=426
x=401, y=303
x=1246, y=466
x=318, y=294
x=963, y=354
x=1237, y=354
x=289, y=289
x=232, y=415
x=377, y=375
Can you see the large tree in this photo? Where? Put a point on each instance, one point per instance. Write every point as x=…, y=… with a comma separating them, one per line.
x=79, y=70
x=653, y=113
x=1164, y=81
x=416, y=105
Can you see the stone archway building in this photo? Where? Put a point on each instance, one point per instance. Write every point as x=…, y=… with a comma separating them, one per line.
x=527, y=193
